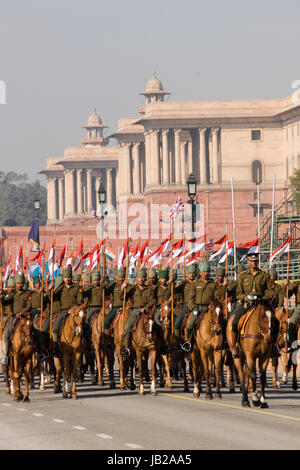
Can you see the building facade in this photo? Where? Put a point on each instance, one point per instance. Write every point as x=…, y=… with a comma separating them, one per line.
x=154, y=152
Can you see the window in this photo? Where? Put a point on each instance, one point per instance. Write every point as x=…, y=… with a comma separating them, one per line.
x=257, y=172
x=256, y=134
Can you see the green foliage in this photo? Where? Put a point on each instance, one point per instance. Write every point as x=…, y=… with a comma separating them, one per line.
x=16, y=200
x=295, y=182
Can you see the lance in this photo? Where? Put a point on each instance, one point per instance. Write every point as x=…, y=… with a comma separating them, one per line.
x=226, y=274
x=172, y=284
x=51, y=295
x=124, y=298
x=287, y=278
x=42, y=293
x=103, y=285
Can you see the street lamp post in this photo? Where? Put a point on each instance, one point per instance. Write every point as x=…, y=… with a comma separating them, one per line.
x=258, y=179
x=192, y=191
x=36, y=203
x=102, y=201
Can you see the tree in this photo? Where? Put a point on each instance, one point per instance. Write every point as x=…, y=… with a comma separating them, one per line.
x=16, y=200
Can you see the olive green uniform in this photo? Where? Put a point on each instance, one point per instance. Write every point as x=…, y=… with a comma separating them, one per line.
x=69, y=297
x=187, y=291
x=205, y=293
x=94, y=296
x=294, y=288
x=20, y=303
x=114, y=290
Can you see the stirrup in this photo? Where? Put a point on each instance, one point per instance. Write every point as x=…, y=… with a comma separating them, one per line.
x=4, y=360
x=125, y=352
x=186, y=346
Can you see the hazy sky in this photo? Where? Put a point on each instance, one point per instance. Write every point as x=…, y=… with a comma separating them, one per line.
x=59, y=59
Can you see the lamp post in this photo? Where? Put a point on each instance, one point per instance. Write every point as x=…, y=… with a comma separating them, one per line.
x=36, y=203
x=102, y=201
x=257, y=180
x=192, y=191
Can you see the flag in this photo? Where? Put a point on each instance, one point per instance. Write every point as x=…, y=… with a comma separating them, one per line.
x=123, y=254
x=285, y=248
x=19, y=260
x=223, y=242
x=69, y=262
x=193, y=260
x=110, y=254
x=7, y=270
x=78, y=256
x=247, y=248
x=93, y=212
x=51, y=261
x=229, y=252
x=176, y=209
x=34, y=234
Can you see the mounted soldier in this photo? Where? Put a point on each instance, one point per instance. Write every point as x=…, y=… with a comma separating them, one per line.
x=36, y=294
x=186, y=289
x=114, y=290
x=293, y=289
x=163, y=294
x=94, y=296
x=251, y=284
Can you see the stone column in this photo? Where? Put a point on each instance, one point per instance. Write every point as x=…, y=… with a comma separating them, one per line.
x=136, y=177
x=165, y=157
x=182, y=162
x=147, y=158
x=89, y=190
x=69, y=193
x=61, y=208
x=51, y=199
x=202, y=155
x=109, y=186
x=155, y=158
x=177, y=157
x=79, y=192
x=215, y=172
x=127, y=169
x=190, y=156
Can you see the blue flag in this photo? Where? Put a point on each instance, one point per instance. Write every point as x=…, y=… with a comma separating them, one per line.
x=34, y=234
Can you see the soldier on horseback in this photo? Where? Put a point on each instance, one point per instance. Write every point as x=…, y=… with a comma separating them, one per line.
x=204, y=293
x=69, y=296
x=36, y=297
x=293, y=288
x=187, y=290
x=252, y=284
x=142, y=298
x=114, y=289
x=163, y=294
x=94, y=296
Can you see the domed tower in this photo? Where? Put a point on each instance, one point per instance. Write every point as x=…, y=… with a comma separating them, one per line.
x=154, y=90
x=94, y=129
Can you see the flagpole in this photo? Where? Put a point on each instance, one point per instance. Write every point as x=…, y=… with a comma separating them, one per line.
x=42, y=293
x=51, y=290
x=272, y=220
x=172, y=284
x=233, y=226
x=287, y=278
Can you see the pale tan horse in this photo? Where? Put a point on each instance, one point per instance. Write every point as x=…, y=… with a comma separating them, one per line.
x=145, y=343
x=282, y=342
x=103, y=345
x=209, y=339
x=71, y=343
x=175, y=356
x=125, y=362
x=255, y=346
x=21, y=349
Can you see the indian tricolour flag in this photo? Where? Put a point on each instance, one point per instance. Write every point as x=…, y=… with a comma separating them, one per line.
x=110, y=254
x=285, y=248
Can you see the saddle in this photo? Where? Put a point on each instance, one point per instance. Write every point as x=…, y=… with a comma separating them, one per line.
x=198, y=320
x=148, y=314
x=115, y=320
x=244, y=320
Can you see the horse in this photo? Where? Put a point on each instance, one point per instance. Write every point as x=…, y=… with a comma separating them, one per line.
x=174, y=357
x=209, y=339
x=21, y=349
x=145, y=342
x=104, y=347
x=45, y=366
x=255, y=344
x=294, y=357
x=71, y=347
x=127, y=362
x=282, y=342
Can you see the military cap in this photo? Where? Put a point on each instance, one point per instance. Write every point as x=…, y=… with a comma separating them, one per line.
x=253, y=256
x=239, y=268
x=11, y=282
x=131, y=280
x=192, y=269
x=152, y=274
x=96, y=276
x=76, y=277
x=205, y=266
x=220, y=271
x=19, y=278
x=272, y=272
x=163, y=274
x=36, y=280
x=120, y=272
x=141, y=273
x=67, y=272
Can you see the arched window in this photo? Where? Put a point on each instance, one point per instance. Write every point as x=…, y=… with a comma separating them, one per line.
x=257, y=172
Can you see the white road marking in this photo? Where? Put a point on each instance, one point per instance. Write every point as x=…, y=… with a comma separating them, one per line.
x=104, y=436
x=38, y=414
x=58, y=420
x=21, y=409
x=79, y=428
x=6, y=404
x=133, y=446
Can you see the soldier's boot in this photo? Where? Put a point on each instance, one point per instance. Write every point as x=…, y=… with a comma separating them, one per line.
x=125, y=350
x=188, y=344
x=235, y=349
x=4, y=358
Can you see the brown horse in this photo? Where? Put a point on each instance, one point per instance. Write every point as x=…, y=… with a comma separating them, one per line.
x=104, y=346
x=255, y=344
x=45, y=366
x=145, y=342
x=282, y=342
x=71, y=347
x=125, y=362
x=174, y=357
x=209, y=339
x=21, y=349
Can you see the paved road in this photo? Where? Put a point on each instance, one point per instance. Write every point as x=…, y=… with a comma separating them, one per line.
x=114, y=420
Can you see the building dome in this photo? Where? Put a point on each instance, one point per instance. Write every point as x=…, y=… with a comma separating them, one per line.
x=94, y=120
x=154, y=85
